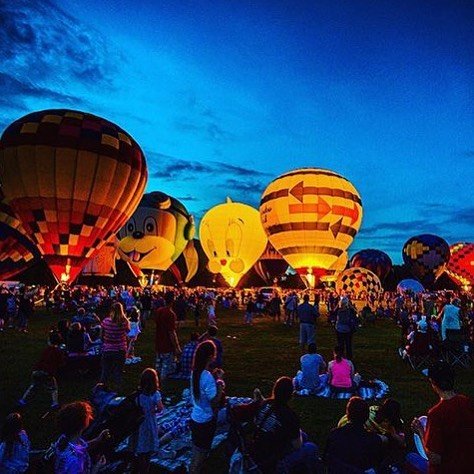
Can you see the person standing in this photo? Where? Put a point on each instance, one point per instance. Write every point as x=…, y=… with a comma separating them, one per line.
x=291, y=303
x=346, y=322
x=449, y=433
x=450, y=317
x=115, y=329
x=307, y=315
x=206, y=394
x=166, y=339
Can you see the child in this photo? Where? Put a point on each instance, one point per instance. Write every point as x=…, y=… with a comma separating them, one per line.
x=135, y=330
x=149, y=398
x=211, y=313
x=46, y=369
x=14, y=446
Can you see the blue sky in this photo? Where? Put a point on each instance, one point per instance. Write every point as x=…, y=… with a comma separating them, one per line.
x=223, y=96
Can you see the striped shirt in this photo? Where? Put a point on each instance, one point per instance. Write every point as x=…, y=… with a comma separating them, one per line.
x=114, y=336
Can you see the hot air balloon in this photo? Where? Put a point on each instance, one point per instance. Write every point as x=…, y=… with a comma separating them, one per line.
x=103, y=262
x=187, y=265
x=335, y=269
x=270, y=265
x=426, y=256
x=311, y=216
x=461, y=264
x=358, y=282
x=376, y=261
x=410, y=285
x=17, y=251
x=233, y=239
x=73, y=179
x=157, y=233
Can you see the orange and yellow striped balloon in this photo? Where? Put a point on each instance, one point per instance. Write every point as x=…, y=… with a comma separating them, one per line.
x=311, y=216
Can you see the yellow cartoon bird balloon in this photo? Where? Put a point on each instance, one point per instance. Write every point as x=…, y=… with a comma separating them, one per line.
x=311, y=216
x=232, y=237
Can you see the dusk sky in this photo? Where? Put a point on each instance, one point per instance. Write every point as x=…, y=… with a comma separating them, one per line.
x=223, y=96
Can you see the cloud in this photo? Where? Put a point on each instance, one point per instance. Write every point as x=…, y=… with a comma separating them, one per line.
x=45, y=52
x=244, y=186
x=12, y=87
x=399, y=228
x=187, y=198
x=166, y=166
x=468, y=153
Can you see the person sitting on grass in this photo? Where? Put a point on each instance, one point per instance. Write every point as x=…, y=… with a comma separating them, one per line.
x=45, y=371
x=279, y=444
x=341, y=374
x=311, y=376
x=14, y=446
x=386, y=420
x=418, y=340
x=71, y=451
x=77, y=339
x=352, y=447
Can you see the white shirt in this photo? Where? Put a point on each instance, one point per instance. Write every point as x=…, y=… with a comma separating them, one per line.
x=202, y=410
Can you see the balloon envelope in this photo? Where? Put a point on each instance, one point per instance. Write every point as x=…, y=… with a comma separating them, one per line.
x=157, y=232
x=270, y=265
x=426, y=256
x=17, y=251
x=358, y=281
x=311, y=216
x=410, y=285
x=232, y=237
x=461, y=263
x=73, y=179
x=374, y=260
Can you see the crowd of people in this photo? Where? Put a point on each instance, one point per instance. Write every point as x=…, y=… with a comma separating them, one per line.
x=99, y=327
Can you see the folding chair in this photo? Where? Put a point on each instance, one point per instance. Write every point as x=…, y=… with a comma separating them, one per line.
x=455, y=349
x=420, y=354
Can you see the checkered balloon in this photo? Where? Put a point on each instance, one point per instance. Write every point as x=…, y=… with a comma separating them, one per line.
x=358, y=282
x=72, y=179
x=17, y=251
x=461, y=264
x=426, y=256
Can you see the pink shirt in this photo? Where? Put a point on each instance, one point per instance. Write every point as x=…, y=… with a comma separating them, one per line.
x=114, y=336
x=341, y=373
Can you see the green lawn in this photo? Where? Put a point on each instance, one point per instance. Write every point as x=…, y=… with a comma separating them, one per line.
x=253, y=357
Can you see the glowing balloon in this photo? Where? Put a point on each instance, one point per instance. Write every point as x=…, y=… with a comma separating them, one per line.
x=311, y=216
x=410, y=285
x=461, y=264
x=358, y=282
x=157, y=233
x=72, y=179
x=103, y=262
x=374, y=260
x=270, y=265
x=426, y=256
x=335, y=269
x=17, y=251
x=233, y=239
x=187, y=265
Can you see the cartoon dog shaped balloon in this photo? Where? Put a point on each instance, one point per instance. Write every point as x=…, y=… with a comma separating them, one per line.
x=157, y=233
x=233, y=238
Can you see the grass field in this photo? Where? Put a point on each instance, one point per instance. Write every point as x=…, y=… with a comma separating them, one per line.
x=253, y=357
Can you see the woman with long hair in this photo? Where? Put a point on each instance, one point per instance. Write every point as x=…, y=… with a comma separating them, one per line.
x=115, y=329
x=341, y=372
x=206, y=393
x=149, y=399
x=14, y=446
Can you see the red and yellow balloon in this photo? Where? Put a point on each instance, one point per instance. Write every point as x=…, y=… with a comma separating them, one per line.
x=72, y=179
